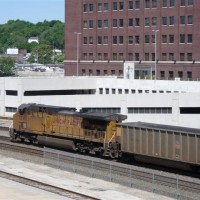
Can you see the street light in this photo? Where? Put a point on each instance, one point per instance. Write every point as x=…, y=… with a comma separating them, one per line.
x=155, y=31
x=77, y=48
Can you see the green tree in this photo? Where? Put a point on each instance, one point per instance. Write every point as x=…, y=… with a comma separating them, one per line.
x=59, y=59
x=42, y=53
x=6, y=66
x=15, y=33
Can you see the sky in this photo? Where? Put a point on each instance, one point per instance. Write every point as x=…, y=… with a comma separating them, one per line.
x=31, y=10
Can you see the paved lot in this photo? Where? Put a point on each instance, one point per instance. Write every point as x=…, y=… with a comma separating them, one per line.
x=74, y=182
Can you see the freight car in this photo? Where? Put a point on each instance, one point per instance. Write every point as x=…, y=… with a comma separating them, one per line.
x=172, y=146
x=65, y=128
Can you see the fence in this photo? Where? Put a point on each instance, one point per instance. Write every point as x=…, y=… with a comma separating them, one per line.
x=123, y=174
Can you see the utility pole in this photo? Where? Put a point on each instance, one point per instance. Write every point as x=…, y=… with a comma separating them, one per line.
x=77, y=50
x=155, y=31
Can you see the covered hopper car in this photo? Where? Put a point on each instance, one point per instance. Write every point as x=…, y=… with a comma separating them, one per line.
x=106, y=135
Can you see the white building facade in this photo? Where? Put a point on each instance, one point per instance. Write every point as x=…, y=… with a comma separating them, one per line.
x=162, y=102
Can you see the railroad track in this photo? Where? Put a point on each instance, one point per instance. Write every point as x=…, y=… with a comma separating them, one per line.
x=46, y=187
x=129, y=173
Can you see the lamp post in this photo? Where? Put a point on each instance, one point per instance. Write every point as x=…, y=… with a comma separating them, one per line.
x=155, y=31
x=77, y=50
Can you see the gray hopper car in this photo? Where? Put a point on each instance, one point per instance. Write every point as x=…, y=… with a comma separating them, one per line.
x=171, y=146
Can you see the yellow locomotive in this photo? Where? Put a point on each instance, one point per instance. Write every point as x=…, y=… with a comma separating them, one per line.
x=65, y=128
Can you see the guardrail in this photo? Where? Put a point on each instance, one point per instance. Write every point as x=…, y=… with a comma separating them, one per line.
x=157, y=182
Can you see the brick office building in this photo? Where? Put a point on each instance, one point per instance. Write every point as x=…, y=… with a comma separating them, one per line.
x=104, y=34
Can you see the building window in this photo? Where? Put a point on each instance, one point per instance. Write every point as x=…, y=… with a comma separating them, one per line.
x=11, y=109
x=146, y=56
x=171, y=3
x=99, y=40
x=121, y=56
x=121, y=23
x=153, y=56
x=100, y=7
x=147, y=3
x=114, y=39
x=137, y=39
x=130, y=56
x=107, y=90
x=171, y=20
x=154, y=3
x=91, y=24
x=119, y=91
x=105, y=72
x=137, y=4
x=113, y=72
x=183, y=2
x=171, y=74
x=90, y=40
x=189, y=75
x=164, y=21
x=114, y=5
x=130, y=5
x=189, y=56
x=121, y=40
x=106, y=8
x=171, y=39
x=164, y=39
x=105, y=56
x=137, y=21
x=11, y=92
x=130, y=39
x=105, y=23
x=189, y=38
x=154, y=21
x=114, y=23
x=99, y=56
x=91, y=7
x=84, y=40
x=147, y=21
x=137, y=56
x=113, y=91
x=182, y=38
x=90, y=74
x=171, y=56
x=180, y=74
x=84, y=56
x=121, y=5
x=164, y=56
x=190, y=19
x=90, y=56
x=100, y=90
x=182, y=20
x=153, y=39
x=105, y=39
x=84, y=24
x=164, y=3
x=190, y=2
x=85, y=8
x=162, y=74
x=182, y=56
x=130, y=22
x=147, y=39
x=98, y=74
x=114, y=56
x=99, y=23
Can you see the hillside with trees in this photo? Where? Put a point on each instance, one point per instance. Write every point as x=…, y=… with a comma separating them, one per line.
x=15, y=34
